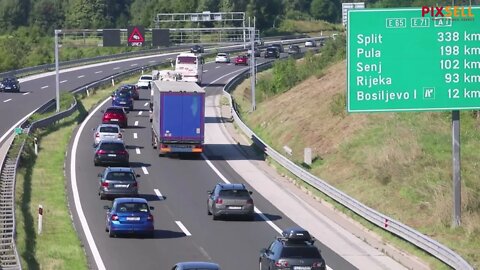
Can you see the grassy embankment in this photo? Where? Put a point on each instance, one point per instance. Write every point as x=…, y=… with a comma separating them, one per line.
x=397, y=163
x=41, y=180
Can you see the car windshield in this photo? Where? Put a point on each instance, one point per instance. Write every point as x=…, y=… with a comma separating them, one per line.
x=132, y=207
x=271, y=49
x=300, y=252
x=121, y=176
x=109, y=129
x=115, y=110
x=128, y=87
x=111, y=146
x=234, y=193
x=186, y=60
x=221, y=54
x=146, y=78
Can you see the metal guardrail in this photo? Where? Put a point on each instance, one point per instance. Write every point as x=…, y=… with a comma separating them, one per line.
x=389, y=224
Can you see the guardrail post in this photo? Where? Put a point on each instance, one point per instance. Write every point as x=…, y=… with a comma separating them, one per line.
x=88, y=92
x=40, y=217
x=113, y=82
x=35, y=144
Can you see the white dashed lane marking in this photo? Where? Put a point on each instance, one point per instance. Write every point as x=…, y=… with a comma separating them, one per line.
x=217, y=67
x=137, y=150
x=132, y=65
x=140, y=112
x=24, y=94
x=64, y=81
x=96, y=72
x=145, y=105
x=159, y=195
x=144, y=169
x=205, y=71
x=7, y=100
x=81, y=76
x=116, y=68
x=135, y=136
x=183, y=228
x=43, y=87
x=136, y=123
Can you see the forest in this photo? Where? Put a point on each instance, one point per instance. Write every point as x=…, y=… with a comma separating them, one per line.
x=26, y=26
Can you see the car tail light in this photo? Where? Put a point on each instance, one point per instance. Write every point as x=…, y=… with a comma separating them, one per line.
x=122, y=152
x=104, y=184
x=317, y=264
x=97, y=134
x=218, y=201
x=250, y=201
x=150, y=217
x=114, y=217
x=101, y=152
x=281, y=263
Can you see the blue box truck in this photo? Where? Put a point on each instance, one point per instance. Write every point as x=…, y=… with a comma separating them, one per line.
x=177, y=116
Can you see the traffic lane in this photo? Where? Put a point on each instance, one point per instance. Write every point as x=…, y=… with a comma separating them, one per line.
x=334, y=260
x=128, y=252
x=184, y=181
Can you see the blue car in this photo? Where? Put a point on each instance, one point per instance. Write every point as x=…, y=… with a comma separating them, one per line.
x=129, y=216
x=123, y=98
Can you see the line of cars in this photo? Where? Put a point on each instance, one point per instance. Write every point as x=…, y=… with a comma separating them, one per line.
x=131, y=214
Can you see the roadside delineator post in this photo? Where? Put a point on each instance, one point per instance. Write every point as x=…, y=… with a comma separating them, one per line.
x=40, y=217
x=35, y=145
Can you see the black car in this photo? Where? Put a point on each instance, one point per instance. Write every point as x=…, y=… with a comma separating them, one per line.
x=293, y=49
x=230, y=199
x=278, y=46
x=197, y=49
x=10, y=84
x=111, y=152
x=272, y=52
x=116, y=182
x=294, y=250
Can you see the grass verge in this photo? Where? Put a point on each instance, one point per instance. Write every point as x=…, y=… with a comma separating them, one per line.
x=41, y=181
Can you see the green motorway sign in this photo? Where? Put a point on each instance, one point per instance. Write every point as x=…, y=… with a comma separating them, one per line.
x=399, y=60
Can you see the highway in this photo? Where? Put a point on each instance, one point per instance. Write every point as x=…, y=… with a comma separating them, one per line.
x=176, y=187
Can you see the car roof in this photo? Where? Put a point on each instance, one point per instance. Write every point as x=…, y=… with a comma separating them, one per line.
x=199, y=264
x=231, y=186
x=130, y=200
x=119, y=169
x=111, y=141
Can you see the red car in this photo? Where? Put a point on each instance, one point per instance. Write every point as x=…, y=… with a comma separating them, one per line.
x=115, y=115
x=241, y=60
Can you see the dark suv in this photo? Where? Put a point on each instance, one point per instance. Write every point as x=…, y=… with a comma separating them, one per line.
x=294, y=250
x=272, y=52
x=230, y=199
x=115, y=182
x=10, y=84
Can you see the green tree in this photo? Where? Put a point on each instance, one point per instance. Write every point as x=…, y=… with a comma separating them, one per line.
x=327, y=10
x=48, y=15
x=13, y=14
x=86, y=14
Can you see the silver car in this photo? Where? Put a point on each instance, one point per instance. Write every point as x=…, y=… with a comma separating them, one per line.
x=229, y=200
x=106, y=132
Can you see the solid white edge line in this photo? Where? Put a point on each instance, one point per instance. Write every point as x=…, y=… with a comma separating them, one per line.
x=144, y=169
x=135, y=136
x=137, y=150
x=183, y=228
x=140, y=112
x=7, y=100
x=136, y=123
x=76, y=195
x=159, y=195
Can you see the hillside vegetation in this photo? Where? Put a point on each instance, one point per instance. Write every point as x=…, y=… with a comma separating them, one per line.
x=397, y=163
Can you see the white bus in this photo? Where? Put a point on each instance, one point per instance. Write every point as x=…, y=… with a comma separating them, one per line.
x=190, y=66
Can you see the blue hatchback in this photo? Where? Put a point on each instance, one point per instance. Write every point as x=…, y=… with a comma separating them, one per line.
x=129, y=216
x=123, y=98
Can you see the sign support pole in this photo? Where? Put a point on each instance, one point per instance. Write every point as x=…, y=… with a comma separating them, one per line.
x=57, y=73
x=457, y=194
x=252, y=67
